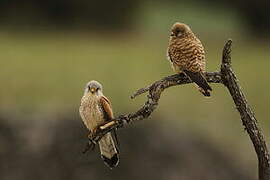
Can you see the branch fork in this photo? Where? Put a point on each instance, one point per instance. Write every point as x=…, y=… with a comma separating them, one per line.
x=225, y=76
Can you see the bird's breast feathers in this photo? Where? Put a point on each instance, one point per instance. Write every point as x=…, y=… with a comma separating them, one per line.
x=91, y=111
x=185, y=52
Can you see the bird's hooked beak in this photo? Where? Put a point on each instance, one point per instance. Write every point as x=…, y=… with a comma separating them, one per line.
x=179, y=34
x=92, y=90
x=176, y=34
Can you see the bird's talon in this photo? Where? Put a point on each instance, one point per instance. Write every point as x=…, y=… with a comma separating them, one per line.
x=89, y=146
x=90, y=136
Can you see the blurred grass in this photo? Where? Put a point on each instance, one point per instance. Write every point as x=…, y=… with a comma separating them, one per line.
x=51, y=71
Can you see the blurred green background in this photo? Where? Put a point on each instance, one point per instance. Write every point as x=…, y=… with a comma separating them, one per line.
x=50, y=50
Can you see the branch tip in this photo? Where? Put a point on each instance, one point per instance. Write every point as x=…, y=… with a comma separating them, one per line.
x=226, y=55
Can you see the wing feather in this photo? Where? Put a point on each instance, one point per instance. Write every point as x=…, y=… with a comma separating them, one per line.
x=106, y=106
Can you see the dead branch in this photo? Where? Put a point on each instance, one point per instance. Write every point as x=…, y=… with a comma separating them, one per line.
x=227, y=77
x=249, y=121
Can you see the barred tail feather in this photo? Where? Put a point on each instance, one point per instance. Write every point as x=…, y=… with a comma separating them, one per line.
x=200, y=80
x=108, y=150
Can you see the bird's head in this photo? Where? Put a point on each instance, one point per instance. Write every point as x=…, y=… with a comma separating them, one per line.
x=180, y=30
x=93, y=87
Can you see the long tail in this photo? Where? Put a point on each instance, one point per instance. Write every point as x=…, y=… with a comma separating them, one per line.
x=200, y=80
x=108, y=150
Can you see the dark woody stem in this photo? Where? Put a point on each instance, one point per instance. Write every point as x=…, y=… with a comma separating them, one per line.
x=227, y=77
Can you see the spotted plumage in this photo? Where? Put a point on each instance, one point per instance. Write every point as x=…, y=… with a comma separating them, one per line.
x=96, y=110
x=186, y=54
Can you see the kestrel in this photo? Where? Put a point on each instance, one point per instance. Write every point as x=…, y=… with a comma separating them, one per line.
x=96, y=110
x=186, y=54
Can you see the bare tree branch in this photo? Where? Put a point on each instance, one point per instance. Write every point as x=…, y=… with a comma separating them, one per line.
x=227, y=77
x=153, y=97
x=247, y=116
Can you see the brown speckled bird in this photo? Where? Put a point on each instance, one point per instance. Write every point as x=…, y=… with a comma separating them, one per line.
x=186, y=54
x=96, y=110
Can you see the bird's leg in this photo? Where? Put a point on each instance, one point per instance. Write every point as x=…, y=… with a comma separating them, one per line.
x=94, y=137
x=99, y=128
x=91, y=136
x=106, y=125
x=91, y=143
x=89, y=146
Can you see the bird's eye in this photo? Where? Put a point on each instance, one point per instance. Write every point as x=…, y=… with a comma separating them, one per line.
x=88, y=88
x=172, y=34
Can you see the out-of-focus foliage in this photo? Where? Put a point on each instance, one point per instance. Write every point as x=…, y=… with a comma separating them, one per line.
x=120, y=14
x=93, y=14
x=254, y=14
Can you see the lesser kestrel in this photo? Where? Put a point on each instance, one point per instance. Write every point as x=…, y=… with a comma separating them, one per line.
x=186, y=54
x=96, y=110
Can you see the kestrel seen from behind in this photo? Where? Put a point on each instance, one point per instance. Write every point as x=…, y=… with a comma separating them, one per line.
x=96, y=110
x=186, y=54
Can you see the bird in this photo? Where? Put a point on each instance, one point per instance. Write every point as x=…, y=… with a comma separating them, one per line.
x=186, y=55
x=95, y=110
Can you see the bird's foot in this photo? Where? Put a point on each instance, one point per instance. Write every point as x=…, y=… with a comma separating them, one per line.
x=92, y=136
x=91, y=142
x=89, y=146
